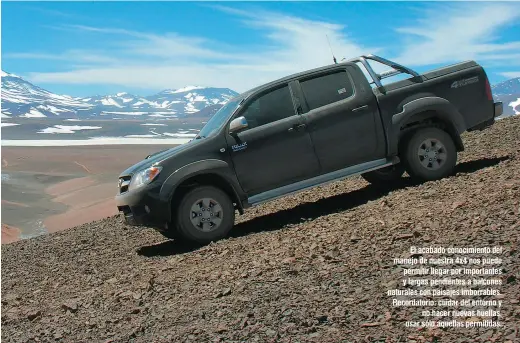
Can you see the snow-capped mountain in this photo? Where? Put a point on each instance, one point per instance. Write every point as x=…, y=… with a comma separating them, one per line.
x=184, y=101
x=21, y=98
x=191, y=99
x=509, y=93
x=511, y=86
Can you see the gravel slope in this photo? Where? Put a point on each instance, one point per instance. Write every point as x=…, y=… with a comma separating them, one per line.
x=313, y=267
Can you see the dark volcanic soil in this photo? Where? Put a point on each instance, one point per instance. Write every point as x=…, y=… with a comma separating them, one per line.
x=312, y=267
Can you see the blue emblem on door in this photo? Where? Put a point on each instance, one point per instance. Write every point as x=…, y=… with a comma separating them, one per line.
x=238, y=147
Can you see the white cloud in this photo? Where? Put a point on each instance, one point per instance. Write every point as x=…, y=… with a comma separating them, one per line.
x=448, y=33
x=168, y=45
x=70, y=56
x=444, y=33
x=170, y=60
x=511, y=74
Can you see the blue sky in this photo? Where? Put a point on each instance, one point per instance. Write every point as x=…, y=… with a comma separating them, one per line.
x=87, y=48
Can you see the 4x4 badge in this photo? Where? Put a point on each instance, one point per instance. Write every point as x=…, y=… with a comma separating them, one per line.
x=464, y=82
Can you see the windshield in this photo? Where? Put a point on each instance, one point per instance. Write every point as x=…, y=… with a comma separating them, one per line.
x=219, y=118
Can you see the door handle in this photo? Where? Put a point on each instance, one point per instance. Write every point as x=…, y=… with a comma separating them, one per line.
x=360, y=108
x=296, y=127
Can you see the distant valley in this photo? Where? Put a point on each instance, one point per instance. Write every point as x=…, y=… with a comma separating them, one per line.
x=32, y=115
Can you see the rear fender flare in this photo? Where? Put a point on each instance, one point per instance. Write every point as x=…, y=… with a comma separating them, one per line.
x=444, y=110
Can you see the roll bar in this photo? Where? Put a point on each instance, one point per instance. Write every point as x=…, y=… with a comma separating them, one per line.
x=397, y=68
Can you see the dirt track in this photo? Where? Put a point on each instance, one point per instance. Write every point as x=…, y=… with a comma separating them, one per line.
x=312, y=267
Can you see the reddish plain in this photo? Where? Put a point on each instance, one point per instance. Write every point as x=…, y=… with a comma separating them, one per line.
x=48, y=189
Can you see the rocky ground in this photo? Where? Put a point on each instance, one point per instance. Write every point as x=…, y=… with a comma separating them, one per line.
x=314, y=267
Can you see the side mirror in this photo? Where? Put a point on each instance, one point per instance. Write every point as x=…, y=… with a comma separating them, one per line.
x=238, y=124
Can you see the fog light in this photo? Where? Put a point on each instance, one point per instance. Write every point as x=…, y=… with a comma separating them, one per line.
x=147, y=209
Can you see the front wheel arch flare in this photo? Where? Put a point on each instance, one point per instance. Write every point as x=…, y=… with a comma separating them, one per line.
x=204, y=179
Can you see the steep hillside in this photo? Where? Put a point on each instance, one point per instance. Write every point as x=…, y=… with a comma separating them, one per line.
x=313, y=267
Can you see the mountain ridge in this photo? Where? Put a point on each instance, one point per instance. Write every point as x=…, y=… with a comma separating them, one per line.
x=21, y=98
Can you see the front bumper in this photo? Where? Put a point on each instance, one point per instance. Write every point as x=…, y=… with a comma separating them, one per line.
x=142, y=207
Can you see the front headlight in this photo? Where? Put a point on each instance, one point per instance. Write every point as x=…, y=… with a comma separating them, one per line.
x=144, y=177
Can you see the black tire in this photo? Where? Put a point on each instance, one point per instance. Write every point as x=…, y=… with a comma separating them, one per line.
x=384, y=176
x=430, y=154
x=222, y=215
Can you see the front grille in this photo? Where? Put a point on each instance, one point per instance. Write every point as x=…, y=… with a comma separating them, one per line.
x=124, y=182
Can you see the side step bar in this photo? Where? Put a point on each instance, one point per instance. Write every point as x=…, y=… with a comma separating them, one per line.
x=321, y=180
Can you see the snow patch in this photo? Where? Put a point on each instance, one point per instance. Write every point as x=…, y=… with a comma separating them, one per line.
x=179, y=135
x=67, y=129
x=8, y=124
x=187, y=89
x=514, y=104
x=4, y=74
x=53, y=108
x=110, y=102
x=125, y=113
x=33, y=113
x=149, y=124
x=189, y=108
x=140, y=136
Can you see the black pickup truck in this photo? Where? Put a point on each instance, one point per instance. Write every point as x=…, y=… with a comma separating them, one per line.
x=303, y=131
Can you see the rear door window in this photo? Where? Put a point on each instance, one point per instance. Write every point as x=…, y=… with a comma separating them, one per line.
x=327, y=89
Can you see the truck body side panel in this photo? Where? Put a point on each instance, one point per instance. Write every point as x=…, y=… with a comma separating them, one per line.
x=457, y=94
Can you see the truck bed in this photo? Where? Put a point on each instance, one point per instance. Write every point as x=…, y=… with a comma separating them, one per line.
x=463, y=85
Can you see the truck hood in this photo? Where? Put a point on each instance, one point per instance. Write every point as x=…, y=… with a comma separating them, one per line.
x=158, y=157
